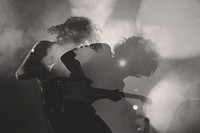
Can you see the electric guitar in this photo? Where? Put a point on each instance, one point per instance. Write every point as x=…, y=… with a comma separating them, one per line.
x=115, y=95
x=143, y=99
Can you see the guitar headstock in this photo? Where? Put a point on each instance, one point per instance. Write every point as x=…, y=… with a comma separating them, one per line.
x=146, y=100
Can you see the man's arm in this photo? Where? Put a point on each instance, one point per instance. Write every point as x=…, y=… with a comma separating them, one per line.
x=115, y=95
x=32, y=66
x=99, y=93
x=72, y=64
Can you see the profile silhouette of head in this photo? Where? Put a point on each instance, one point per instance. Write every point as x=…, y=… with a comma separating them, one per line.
x=136, y=56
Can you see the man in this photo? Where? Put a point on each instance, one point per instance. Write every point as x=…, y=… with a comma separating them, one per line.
x=134, y=57
x=66, y=89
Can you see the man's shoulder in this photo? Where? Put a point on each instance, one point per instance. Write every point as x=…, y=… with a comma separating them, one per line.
x=106, y=46
x=41, y=46
x=100, y=47
x=43, y=43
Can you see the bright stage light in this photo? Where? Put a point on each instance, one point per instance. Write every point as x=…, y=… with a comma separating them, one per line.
x=135, y=107
x=122, y=63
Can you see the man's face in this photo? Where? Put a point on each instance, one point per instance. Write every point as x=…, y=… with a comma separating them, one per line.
x=147, y=69
x=130, y=67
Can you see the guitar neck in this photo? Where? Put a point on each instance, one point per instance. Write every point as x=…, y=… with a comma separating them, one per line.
x=129, y=95
x=143, y=99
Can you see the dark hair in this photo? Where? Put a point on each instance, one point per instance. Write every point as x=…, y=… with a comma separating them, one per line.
x=77, y=30
x=141, y=56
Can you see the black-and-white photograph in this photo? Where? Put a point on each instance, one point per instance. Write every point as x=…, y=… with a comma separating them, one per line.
x=99, y=66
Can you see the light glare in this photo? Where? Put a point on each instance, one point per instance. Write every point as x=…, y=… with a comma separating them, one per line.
x=135, y=107
x=122, y=63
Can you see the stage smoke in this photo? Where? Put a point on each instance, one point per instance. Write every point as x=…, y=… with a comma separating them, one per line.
x=172, y=25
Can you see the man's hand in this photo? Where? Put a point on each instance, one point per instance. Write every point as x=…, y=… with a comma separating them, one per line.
x=114, y=95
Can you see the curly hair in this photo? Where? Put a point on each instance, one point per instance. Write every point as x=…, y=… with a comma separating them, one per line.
x=140, y=54
x=77, y=30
